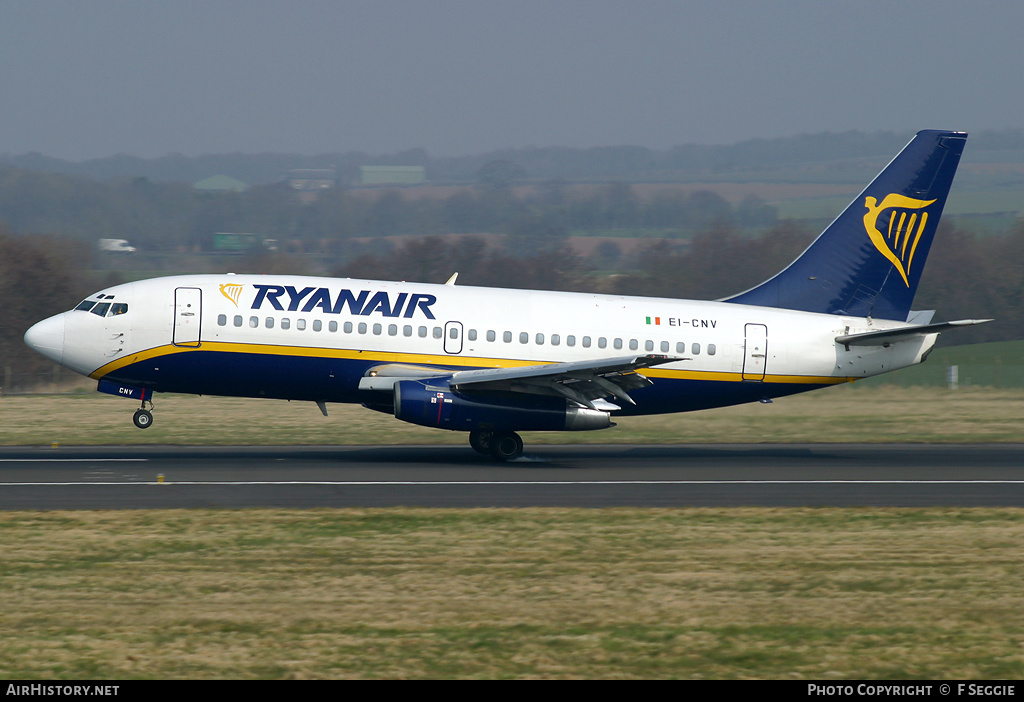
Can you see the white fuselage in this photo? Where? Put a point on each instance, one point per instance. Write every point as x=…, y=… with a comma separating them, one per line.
x=313, y=338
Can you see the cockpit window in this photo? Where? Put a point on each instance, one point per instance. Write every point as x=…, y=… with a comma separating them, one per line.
x=117, y=308
x=100, y=309
x=85, y=305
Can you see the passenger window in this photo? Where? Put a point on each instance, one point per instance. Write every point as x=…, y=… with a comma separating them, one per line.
x=695, y=349
x=634, y=344
x=453, y=333
x=332, y=326
x=422, y=332
x=602, y=343
x=270, y=323
x=347, y=328
x=472, y=334
x=507, y=337
x=491, y=335
x=711, y=349
x=570, y=340
x=222, y=320
x=254, y=322
x=540, y=339
x=300, y=324
x=524, y=338
x=438, y=333
x=407, y=330
x=101, y=309
x=362, y=327
x=377, y=329
x=648, y=345
x=586, y=342
x=664, y=347
x=317, y=325
x=555, y=339
x=392, y=330
x=680, y=347
x=286, y=323
x=618, y=343
x=238, y=320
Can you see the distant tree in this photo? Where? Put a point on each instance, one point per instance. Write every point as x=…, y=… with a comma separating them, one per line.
x=39, y=277
x=499, y=174
x=752, y=211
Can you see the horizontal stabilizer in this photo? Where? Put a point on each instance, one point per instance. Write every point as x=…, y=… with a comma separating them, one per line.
x=891, y=336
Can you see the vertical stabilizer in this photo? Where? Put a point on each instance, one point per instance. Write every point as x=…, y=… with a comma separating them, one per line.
x=868, y=262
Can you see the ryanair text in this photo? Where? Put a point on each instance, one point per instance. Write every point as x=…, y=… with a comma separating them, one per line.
x=358, y=304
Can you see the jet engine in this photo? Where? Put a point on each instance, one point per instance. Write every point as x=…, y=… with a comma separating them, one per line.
x=431, y=402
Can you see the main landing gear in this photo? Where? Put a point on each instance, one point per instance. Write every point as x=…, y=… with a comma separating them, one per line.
x=503, y=445
x=144, y=417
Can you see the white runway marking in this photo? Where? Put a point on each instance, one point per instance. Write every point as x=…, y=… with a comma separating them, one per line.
x=73, y=460
x=466, y=483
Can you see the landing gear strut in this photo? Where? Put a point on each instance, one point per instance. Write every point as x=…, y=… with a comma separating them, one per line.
x=505, y=446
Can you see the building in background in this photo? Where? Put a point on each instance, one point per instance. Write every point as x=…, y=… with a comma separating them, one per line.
x=392, y=175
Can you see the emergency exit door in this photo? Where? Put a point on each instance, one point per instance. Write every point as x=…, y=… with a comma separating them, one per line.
x=453, y=337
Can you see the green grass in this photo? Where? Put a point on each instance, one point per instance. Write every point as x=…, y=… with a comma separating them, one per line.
x=849, y=413
x=995, y=365
x=530, y=593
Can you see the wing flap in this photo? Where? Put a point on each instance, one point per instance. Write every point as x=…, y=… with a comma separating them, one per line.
x=583, y=382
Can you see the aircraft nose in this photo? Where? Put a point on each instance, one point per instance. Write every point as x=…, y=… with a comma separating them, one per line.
x=47, y=338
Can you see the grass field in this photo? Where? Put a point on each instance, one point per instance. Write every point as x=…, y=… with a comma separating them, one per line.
x=850, y=413
x=530, y=593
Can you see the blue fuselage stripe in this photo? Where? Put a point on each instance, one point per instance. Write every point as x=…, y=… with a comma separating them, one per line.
x=296, y=377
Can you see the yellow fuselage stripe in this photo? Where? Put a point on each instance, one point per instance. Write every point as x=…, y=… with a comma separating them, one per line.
x=429, y=359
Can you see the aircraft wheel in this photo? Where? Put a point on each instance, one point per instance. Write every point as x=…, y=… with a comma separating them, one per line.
x=482, y=441
x=143, y=419
x=507, y=447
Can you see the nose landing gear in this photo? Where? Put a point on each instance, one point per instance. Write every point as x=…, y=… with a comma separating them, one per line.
x=144, y=417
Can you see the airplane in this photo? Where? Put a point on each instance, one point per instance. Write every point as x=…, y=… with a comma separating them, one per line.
x=495, y=362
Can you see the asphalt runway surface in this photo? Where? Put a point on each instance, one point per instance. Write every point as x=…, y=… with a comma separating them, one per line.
x=811, y=475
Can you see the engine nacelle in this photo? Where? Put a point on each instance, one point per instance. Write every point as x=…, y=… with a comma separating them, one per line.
x=432, y=403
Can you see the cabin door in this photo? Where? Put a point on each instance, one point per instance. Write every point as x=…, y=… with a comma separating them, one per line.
x=188, y=315
x=755, y=351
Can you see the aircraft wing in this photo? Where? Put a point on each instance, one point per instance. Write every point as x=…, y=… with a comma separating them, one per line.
x=580, y=381
x=891, y=336
x=583, y=382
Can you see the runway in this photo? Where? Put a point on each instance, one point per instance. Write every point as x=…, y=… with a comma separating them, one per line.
x=811, y=475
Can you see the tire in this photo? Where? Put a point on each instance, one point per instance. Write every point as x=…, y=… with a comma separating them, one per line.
x=143, y=419
x=507, y=447
x=482, y=441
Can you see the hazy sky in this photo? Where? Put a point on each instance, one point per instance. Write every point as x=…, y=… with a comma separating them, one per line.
x=89, y=78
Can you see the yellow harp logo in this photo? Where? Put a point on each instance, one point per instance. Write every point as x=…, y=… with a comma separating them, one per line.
x=907, y=221
x=232, y=291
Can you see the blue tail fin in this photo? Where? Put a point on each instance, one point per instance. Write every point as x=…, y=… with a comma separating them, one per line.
x=868, y=262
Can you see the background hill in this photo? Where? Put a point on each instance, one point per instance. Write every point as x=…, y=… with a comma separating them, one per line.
x=691, y=221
